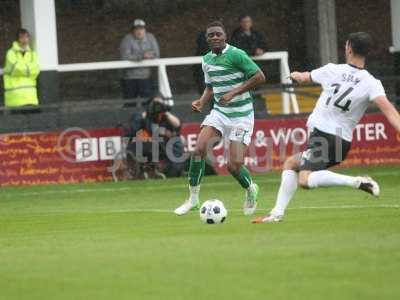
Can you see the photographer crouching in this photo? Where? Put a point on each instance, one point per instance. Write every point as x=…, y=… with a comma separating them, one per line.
x=155, y=148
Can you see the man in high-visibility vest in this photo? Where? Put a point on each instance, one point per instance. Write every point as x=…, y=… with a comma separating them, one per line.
x=20, y=73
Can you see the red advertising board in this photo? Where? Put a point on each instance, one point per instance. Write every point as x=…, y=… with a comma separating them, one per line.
x=50, y=158
x=76, y=155
x=375, y=142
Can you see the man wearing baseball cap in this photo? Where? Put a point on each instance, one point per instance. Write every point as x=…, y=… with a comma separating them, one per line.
x=138, y=45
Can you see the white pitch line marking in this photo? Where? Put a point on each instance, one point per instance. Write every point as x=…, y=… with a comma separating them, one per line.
x=158, y=187
x=155, y=210
x=170, y=211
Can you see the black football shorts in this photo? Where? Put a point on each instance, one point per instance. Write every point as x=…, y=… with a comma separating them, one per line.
x=323, y=151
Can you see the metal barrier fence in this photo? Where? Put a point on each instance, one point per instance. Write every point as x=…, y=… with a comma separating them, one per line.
x=289, y=100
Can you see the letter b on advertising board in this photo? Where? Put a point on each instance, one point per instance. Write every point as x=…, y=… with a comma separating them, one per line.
x=93, y=149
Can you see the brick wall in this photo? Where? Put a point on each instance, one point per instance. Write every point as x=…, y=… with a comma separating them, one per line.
x=97, y=32
x=94, y=33
x=9, y=22
x=91, y=30
x=370, y=16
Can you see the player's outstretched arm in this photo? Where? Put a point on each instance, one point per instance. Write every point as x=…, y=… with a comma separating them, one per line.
x=301, y=77
x=197, y=105
x=389, y=111
x=253, y=81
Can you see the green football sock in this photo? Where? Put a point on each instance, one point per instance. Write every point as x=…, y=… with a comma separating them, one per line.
x=196, y=170
x=243, y=177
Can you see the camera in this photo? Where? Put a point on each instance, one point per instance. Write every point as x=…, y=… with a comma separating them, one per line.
x=157, y=105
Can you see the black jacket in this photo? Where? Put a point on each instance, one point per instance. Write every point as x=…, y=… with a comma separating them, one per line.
x=248, y=43
x=138, y=122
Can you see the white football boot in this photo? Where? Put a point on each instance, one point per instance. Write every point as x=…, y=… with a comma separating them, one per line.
x=367, y=184
x=187, y=206
x=192, y=203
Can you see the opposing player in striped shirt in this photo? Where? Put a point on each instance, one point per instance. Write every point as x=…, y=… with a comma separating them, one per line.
x=229, y=76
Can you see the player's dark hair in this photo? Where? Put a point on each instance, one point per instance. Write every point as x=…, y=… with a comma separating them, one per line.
x=20, y=32
x=216, y=24
x=360, y=42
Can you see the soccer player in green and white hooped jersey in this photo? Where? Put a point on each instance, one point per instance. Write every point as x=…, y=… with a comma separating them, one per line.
x=229, y=76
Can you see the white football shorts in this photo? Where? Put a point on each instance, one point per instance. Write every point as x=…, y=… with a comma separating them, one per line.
x=233, y=129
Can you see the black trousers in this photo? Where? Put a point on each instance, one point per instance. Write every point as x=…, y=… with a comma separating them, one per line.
x=133, y=88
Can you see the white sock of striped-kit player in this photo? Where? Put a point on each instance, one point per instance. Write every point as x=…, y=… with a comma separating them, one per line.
x=324, y=178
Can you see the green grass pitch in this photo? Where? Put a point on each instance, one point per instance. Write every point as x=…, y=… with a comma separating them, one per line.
x=121, y=241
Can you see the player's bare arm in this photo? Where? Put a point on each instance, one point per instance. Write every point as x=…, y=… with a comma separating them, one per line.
x=389, y=111
x=301, y=77
x=197, y=105
x=254, y=81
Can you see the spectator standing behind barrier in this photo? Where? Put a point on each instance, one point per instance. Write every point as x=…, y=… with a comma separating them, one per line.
x=248, y=39
x=20, y=73
x=201, y=49
x=137, y=46
x=253, y=43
